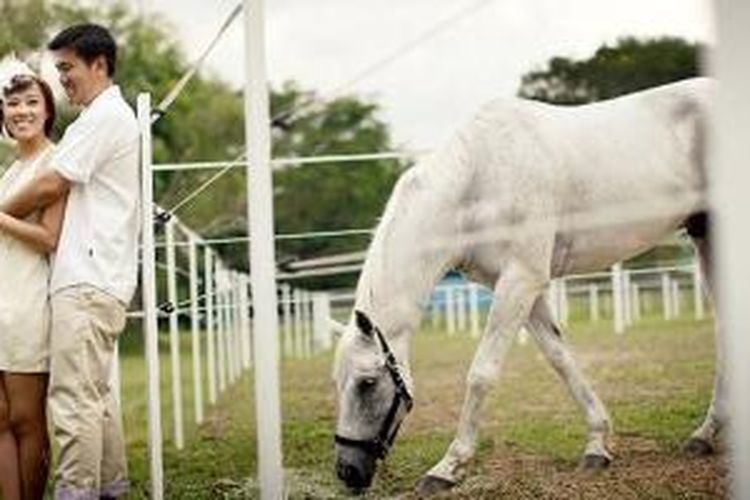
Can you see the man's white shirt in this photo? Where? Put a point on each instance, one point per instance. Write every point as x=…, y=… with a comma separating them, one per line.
x=99, y=240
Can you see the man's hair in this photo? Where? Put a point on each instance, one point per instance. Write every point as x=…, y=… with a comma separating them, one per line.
x=21, y=83
x=88, y=41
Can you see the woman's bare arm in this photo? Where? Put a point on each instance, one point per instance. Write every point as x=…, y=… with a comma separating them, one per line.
x=44, y=190
x=43, y=235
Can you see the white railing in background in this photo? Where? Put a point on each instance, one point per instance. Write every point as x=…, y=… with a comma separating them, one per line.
x=628, y=295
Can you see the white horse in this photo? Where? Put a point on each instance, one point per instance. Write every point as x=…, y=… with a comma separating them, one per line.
x=525, y=193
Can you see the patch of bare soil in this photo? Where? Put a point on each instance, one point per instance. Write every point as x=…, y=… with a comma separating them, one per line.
x=640, y=469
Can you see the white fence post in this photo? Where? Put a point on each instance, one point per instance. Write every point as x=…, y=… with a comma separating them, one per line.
x=208, y=273
x=676, y=297
x=246, y=330
x=174, y=336
x=220, y=327
x=474, y=309
x=461, y=307
x=666, y=296
x=553, y=299
x=434, y=313
x=635, y=301
x=262, y=256
x=627, y=298
x=698, y=306
x=195, y=330
x=731, y=204
x=321, y=321
x=239, y=341
x=299, y=342
x=304, y=339
x=235, y=345
x=308, y=323
x=618, y=305
x=148, y=290
x=286, y=317
x=593, y=302
x=230, y=348
x=562, y=300
x=450, y=310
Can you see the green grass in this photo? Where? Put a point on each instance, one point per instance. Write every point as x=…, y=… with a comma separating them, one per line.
x=656, y=381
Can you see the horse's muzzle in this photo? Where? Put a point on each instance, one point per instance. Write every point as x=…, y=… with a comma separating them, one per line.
x=355, y=467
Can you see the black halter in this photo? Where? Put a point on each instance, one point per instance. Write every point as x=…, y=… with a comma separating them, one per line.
x=402, y=400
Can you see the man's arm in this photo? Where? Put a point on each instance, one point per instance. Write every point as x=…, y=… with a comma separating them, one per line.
x=46, y=188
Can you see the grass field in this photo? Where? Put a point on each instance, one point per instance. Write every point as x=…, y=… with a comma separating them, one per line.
x=655, y=380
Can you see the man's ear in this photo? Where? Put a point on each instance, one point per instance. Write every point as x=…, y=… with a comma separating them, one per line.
x=364, y=324
x=100, y=64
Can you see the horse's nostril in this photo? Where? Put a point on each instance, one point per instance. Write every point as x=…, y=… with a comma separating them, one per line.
x=352, y=476
x=342, y=471
x=347, y=472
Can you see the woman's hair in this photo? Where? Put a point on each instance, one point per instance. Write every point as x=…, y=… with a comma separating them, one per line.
x=20, y=83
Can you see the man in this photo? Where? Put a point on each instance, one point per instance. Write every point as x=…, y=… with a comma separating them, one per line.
x=95, y=268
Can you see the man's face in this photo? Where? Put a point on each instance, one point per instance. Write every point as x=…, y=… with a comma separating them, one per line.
x=79, y=79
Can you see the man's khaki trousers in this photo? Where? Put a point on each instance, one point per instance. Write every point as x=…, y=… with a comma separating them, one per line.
x=87, y=423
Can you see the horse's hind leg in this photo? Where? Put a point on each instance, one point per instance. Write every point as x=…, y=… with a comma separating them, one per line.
x=548, y=336
x=703, y=439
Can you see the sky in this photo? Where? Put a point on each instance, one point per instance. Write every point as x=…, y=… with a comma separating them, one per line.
x=429, y=91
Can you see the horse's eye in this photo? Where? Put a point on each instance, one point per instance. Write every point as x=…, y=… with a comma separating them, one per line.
x=367, y=383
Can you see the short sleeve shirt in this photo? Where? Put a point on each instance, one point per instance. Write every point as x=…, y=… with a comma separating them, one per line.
x=98, y=154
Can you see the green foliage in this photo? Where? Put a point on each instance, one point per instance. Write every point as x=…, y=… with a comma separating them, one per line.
x=630, y=65
x=332, y=196
x=23, y=25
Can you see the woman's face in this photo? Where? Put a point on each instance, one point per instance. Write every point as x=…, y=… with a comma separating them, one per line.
x=25, y=113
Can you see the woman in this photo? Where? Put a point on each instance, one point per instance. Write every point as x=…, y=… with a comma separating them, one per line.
x=28, y=113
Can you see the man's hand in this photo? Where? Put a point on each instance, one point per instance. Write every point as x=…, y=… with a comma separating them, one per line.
x=45, y=189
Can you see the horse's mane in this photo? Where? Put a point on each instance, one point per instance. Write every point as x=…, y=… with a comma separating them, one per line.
x=417, y=195
x=376, y=261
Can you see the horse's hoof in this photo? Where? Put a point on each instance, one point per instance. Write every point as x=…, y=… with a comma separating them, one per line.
x=595, y=462
x=430, y=485
x=697, y=447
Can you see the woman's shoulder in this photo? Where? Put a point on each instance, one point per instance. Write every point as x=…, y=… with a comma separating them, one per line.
x=7, y=172
x=44, y=160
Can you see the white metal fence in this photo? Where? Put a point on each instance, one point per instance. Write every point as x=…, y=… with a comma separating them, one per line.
x=219, y=308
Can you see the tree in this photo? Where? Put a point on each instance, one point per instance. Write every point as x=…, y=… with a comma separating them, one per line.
x=318, y=197
x=23, y=25
x=630, y=65
x=336, y=195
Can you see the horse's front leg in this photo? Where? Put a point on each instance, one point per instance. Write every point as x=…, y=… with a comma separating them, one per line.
x=514, y=296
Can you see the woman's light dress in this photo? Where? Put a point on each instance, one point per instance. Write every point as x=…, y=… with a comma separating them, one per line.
x=24, y=277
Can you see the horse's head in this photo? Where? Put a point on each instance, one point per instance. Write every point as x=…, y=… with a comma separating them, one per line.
x=373, y=399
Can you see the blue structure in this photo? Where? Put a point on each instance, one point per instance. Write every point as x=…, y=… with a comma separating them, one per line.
x=456, y=279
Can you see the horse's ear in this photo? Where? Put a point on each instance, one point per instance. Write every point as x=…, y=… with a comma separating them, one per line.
x=363, y=323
